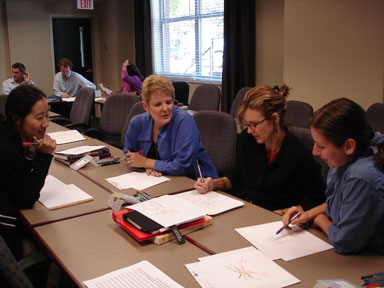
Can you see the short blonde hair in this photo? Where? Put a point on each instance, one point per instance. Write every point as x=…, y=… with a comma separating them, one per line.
x=267, y=99
x=156, y=84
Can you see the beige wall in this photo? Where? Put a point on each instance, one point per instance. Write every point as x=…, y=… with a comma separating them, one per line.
x=5, y=68
x=334, y=49
x=30, y=38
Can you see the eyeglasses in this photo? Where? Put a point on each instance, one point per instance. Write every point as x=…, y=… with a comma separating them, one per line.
x=254, y=125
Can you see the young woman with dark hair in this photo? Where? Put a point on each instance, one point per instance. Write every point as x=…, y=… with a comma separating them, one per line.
x=131, y=77
x=353, y=215
x=25, y=153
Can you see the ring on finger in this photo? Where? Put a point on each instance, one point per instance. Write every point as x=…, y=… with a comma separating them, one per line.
x=128, y=162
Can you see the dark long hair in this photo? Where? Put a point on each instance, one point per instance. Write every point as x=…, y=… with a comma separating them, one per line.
x=134, y=71
x=20, y=102
x=343, y=119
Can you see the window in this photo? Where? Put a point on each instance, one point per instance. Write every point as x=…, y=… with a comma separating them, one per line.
x=188, y=39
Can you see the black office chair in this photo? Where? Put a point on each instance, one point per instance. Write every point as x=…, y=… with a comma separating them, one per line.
x=181, y=91
x=136, y=109
x=375, y=115
x=80, y=115
x=298, y=113
x=238, y=100
x=218, y=134
x=304, y=134
x=115, y=112
x=3, y=100
x=205, y=97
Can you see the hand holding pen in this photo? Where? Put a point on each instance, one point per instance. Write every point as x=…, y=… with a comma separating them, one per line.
x=134, y=159
x=297, y=215
x=46, y=145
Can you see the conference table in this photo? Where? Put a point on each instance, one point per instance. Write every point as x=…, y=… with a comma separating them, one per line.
x=86, y=243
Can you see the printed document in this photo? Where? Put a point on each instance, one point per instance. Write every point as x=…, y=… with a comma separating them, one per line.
x=80, y=150
x=136, y=180
x=64, y=137
x=142, y=274
x=246, y=268
x=287, y=245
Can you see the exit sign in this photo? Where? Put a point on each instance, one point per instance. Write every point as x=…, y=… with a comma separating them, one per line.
x=85, y=4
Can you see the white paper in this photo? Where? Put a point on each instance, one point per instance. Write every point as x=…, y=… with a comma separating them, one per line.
x=246, y=268
x=142, y=274
x=79, y=150
x=169, y=210
x=69, y=136
x=211, y=203
x=136, y=180
x=105, y=89
x=68, y=99
x=97, y=93
x=56, y=194
x=286, y=245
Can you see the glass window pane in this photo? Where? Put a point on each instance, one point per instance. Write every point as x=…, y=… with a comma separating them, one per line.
x=178, y=8
x=211, y=6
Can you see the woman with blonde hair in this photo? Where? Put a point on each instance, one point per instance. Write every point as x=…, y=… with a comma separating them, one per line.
x=167, y=135
x=273, y=168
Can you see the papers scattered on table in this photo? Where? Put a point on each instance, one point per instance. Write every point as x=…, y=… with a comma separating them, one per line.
x=56, y=194
x=105, y=89
x=335, y=283
x=136, y=180
x=69, y=136
x=169, y=210
x=244, y=268
x=142, y=274
x=211, y=203
x=286, y=245
x=68, y=99
x=79, y=150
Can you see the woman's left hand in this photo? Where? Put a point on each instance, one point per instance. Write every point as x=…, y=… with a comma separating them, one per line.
x=134, y=159
x=152, y=172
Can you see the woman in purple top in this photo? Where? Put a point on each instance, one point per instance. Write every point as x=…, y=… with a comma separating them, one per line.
x=131, y=78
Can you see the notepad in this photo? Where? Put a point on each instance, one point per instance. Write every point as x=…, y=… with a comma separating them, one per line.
x=56, y=194
x=142, y=274
x=69, y=136
x=136, y=180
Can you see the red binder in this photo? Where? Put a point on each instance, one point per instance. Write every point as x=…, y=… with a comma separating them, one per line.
x=140, y=235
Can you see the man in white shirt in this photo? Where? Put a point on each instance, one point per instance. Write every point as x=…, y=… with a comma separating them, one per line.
x=67, y=82
x=19, y=77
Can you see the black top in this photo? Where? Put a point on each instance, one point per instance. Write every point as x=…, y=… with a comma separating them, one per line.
x=21, y=178
x=294, y=178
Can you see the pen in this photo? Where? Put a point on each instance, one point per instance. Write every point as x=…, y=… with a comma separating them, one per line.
x=146, y=194
x=201, y=175
x=31, y=143
x=373, y=275
x=289, y=222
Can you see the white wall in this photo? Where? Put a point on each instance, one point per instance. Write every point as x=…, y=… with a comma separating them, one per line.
x=334, y=49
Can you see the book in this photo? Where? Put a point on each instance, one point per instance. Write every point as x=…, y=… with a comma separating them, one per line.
x=79, y=152
x=73, y=160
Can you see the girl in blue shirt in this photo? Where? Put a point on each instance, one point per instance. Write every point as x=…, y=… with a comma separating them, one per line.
x=353, y=215
x=167, y=135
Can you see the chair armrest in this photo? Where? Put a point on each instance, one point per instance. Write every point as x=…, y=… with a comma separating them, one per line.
x=81, y=127
x=94, y=133
x=60, y=120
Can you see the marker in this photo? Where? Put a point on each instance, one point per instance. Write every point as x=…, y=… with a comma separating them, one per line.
x=201, y=175
x=146, y=194
x=140, y=151
x=26, y=144
x=290, y=220
x=373, y=275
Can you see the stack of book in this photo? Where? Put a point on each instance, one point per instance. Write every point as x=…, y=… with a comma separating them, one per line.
x=70, y=156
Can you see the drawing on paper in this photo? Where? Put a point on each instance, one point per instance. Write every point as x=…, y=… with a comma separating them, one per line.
x=159, y=209
x=240, y=269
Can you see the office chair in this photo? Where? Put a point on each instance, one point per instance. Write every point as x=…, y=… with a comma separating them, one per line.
x=205, y=97
x=3, y=100
x=375, y=115
x=80, y=115
x=298, y=113
x=238, y=100
x=218, y=134
x=181, y=91
x=304, y=135
x=113, y=116
x=136, y=109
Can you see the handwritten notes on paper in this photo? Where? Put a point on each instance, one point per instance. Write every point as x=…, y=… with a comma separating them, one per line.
x=136, y=180
x=212, y=202
x=63, y=137
x=287, y=245
x=56, y=194
x=142, y=274
x=244, y=268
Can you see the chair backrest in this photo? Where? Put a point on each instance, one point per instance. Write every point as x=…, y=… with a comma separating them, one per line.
x=115, y=111
x=298, y=113
x=3, y=100
x=181, y=91
x=205, y=97
x=238, y=100
x=218, y=134
x=136, y=109
x=82, y=107
x=304, y=135
x=10, y=270
x=375, y=115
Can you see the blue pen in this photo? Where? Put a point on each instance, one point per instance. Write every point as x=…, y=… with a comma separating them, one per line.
x=289, y=222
